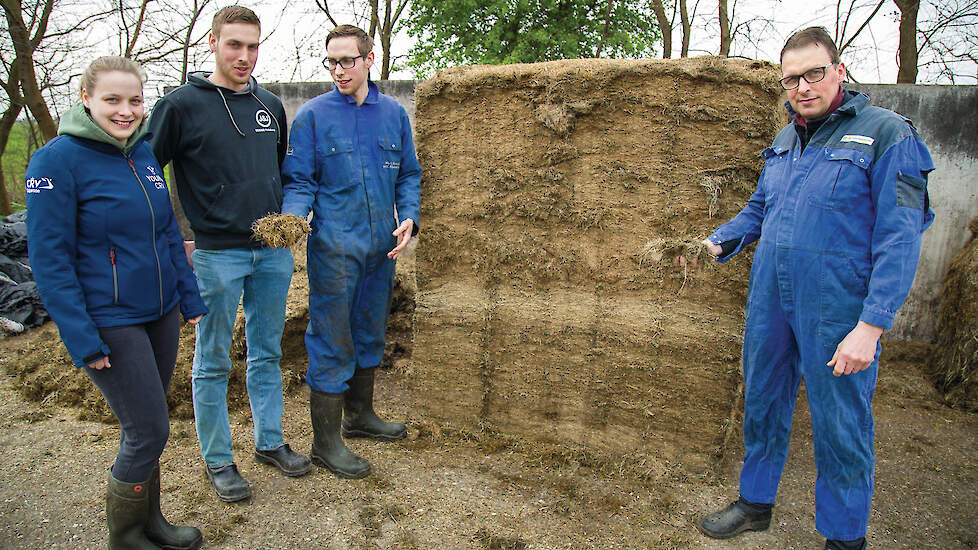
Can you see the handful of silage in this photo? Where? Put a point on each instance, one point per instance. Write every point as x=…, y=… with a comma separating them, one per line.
x=280, y=230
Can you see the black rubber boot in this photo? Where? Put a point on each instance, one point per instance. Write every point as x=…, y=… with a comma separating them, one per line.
x=127, y=509
x=160, y=531
x=359, y=418
x=328, y=449
x=857, y=544
x=733, y=520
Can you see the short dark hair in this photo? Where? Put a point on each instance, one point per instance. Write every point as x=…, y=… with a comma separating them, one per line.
x=812, y=35
x=365, y=44
x=233, y=14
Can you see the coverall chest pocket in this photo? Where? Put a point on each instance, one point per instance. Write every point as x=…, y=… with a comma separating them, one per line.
x=390, y=154
x=841, y=180
x=775, y=167
x=336, y=157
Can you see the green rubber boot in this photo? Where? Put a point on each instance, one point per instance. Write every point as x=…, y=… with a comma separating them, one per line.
x=328, y=449
x=160, y=531
x=359, y=418
x=127, y=509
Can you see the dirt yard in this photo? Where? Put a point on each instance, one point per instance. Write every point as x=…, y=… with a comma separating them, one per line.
x=436, y=490
x=565, y=384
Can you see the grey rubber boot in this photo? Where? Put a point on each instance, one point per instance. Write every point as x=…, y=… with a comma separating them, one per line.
x=328, y=449
x=359, y=418
x=160, y=531
x=127, y=510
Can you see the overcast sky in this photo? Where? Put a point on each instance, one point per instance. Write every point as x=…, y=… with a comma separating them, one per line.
x=872, y=58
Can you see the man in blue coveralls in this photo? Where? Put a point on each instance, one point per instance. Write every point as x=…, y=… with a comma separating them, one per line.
x=351, y=161
x=838, y=215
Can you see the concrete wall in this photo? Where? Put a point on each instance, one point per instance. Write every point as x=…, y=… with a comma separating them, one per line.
x=295, y=94
x=947, y=118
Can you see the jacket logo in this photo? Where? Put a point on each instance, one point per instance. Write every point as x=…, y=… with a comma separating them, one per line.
x=392, y=164
x=263, y=118
x=157, y=179
x=36, y=185
x=865, y=140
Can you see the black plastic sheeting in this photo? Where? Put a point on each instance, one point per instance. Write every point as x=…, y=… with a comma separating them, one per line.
x=19, y=300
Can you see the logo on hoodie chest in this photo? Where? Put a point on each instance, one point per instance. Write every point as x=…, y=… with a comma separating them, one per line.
x=154, y=178
x=264, y=121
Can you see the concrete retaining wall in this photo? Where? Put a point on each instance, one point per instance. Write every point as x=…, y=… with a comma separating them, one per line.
x=947, y=119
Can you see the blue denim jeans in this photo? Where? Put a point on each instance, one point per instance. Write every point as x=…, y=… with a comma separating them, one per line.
x=263, y=276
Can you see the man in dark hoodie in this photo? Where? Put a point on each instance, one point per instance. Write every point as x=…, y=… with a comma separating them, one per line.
x=225, y=137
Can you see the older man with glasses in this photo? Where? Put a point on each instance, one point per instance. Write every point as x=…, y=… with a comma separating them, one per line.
x=351, y=161
x=838, y=215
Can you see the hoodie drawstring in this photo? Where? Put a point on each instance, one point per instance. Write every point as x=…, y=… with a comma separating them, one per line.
x=229, y=111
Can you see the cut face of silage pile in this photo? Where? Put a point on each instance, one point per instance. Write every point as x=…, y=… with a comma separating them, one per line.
x=556, y=198
x=957, y=335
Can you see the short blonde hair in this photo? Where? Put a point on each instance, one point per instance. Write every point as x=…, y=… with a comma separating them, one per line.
x=106, y=64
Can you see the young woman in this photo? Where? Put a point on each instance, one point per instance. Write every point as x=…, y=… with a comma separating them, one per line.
x=110, y=266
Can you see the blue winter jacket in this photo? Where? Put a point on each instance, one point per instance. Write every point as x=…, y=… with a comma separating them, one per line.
x=103, y=241
x=346, y=162
x=858, y=193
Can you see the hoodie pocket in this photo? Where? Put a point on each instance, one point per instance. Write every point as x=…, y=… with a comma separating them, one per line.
x=239, y=204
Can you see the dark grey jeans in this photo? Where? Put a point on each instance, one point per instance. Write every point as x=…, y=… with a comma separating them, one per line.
x=142, y=358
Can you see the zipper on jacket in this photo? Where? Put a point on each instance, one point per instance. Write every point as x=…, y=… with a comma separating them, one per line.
x=115, y=277
x=152, y=219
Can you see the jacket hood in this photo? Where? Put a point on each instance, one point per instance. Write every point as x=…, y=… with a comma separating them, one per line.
x=78, y=122
x=199, y=79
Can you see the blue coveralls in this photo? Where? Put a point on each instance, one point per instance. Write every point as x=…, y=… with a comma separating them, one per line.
x=350, y=165
x=839, y=228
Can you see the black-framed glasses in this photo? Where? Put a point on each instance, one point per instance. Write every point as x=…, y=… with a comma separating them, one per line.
x=346, y=62
x=811, y=76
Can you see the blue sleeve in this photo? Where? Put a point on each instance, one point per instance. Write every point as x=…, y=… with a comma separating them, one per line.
x=745, y=227
x=52, y=206
x=299, y=166
x=407, y=188
x=899, y=191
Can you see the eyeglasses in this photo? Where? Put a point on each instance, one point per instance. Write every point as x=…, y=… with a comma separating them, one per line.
x=811, y=76
x=346, y=62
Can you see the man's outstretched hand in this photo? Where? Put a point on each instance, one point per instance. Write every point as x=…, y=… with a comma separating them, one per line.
x=403, y=234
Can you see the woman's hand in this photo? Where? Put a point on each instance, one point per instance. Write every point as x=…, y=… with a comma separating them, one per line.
x=194, y=320
x=100, y=364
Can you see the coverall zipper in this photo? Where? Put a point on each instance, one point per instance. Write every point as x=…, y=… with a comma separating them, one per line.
x=152, y=219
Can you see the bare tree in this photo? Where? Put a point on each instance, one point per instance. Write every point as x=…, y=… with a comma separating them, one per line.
x=665, y=27
x=686, y=23
x=948, y=49
x=171, y=36
x=26, y=36
x=130, y=35
x=907, y=48
x=724, y=28
x=7, y=121
x=843, y=17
